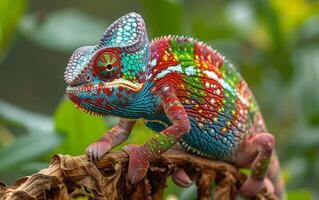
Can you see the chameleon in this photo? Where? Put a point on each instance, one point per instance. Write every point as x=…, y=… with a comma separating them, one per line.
x=184, y=90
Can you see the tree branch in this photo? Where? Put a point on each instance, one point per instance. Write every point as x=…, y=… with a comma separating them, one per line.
x=69, y=177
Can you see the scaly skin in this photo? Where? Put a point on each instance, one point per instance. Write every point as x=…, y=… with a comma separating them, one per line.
x=184, y=90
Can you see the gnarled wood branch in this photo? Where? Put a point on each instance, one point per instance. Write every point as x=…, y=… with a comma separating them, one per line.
x=69, y=177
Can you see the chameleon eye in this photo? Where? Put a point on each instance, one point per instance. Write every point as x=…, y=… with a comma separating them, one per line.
x=109, y=67
x=106, y=64
x=88, y=78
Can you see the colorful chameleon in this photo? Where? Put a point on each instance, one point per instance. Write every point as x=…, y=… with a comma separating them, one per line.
x=184, y=90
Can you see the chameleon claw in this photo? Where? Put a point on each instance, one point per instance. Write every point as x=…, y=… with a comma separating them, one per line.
x=96, y=150
x=138, y=166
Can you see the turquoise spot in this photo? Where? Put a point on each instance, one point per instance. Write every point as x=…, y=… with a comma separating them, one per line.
x=126, y=27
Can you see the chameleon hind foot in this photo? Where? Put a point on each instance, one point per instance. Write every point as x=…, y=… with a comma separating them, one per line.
x=257, y=153
x=253, y=186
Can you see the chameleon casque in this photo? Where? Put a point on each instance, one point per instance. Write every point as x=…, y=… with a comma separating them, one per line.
x=184, y=90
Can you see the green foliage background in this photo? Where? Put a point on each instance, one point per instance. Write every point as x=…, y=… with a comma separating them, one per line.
x=274, y=43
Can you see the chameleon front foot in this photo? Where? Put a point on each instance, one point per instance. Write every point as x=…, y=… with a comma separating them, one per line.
x=96, y=150
x=138, y=163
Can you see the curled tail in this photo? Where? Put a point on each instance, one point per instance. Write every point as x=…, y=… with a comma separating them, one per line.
x=276, y=177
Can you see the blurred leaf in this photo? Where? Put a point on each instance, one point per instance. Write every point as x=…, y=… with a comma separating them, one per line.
x=309, y=32
x=188, y=193
x=25, y=118
x=208, y=30
x=82, y=198
x=306, y=138
x=26, y=148
x=269, y=18
x=33, y=166
x=10, y=13
x=11, y=175
x=37, y=139
x=170, y=197
x=6, y=136
x=241, y=15
x=298, y=12
x=306, y=62
x=172, y=190
x=295, y=169
x=303, y=194
x=246, y=171
x=159, y=23
x=79, y=128
x=63, y=30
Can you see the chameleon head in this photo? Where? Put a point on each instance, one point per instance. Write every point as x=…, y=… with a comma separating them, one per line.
x=112, y=72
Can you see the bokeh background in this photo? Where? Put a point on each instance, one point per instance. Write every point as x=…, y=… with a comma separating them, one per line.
x=275, y=45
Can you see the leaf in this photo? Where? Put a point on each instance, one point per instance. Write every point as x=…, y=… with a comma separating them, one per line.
x=241, y=16
x=10, y=14
x=306, y=62
x=188, y=193
x=6, y=137
x=27, y=119
x=309, y=32
x=79, y=128
x=37, y=136
x=307, y=138
x=303, y=194
x=27, y=147
x=33, y=166
x=299, y=11
x=63, y=30
x=172, y=190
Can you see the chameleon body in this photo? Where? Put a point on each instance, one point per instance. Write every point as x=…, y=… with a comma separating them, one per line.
x=184, y=90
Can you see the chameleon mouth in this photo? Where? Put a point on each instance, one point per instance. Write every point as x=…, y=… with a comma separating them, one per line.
x=88, y=88
x=91, y=112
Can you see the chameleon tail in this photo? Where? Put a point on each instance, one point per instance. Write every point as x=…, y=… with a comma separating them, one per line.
x=276, y=177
